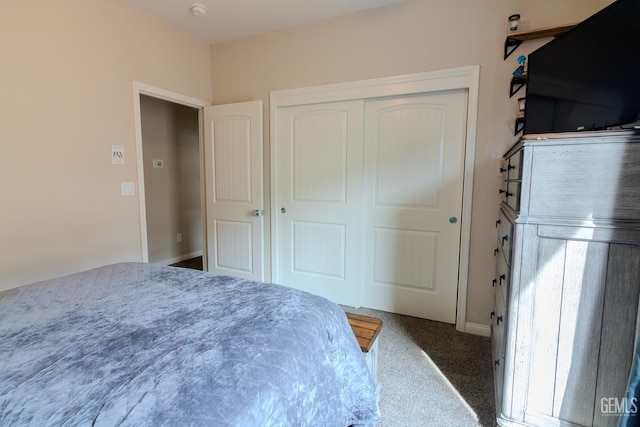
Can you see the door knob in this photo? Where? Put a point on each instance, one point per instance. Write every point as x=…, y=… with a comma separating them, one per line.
x=283, y=210
x=257, y=212
x=453, y=220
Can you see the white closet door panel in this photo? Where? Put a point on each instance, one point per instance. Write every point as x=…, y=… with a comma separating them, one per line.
x=319, y=249
x=414, y=129
x=320, y=157
x=405, y=257
x=319, y=185
x=414, y=166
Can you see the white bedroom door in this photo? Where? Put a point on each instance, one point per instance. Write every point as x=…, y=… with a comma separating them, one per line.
x=319, y=199
x=234, y=189
x=414, y=166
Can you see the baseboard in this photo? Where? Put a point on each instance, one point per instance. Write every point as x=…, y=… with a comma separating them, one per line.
x=179, y=258
x=477, y=329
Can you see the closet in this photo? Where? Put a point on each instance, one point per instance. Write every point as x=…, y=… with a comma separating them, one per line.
x=367, y=196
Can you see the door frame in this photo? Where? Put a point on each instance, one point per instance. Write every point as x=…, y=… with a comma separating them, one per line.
x=176, y=98
x=467, y=78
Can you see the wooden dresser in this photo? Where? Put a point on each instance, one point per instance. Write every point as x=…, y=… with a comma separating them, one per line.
x=567, y=278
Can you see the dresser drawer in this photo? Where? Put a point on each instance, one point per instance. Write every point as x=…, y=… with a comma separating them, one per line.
x=505, y=235
x=498, y=344
x=512, y=196
x=514, y=164
x=585, y=181
x=503, y=277
x=503, y=190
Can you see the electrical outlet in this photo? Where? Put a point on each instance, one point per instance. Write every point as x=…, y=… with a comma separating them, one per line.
x=179, y=237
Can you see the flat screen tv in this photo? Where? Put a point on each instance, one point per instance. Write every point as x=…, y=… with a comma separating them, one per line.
x=588, y=78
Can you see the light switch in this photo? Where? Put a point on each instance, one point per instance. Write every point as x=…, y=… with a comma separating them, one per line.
x=127, y=188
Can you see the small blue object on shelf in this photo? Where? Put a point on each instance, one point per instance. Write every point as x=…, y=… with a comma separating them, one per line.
x=522, y=60
x=518, y=71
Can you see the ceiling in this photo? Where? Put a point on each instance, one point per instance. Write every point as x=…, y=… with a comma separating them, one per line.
x=232, y=19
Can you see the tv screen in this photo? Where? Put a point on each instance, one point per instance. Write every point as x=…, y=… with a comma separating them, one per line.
x=588, y=78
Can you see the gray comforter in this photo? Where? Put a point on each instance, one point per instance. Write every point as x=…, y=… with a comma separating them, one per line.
x=139, y=344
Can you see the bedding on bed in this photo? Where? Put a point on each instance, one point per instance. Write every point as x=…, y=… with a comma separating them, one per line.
x=141, y=344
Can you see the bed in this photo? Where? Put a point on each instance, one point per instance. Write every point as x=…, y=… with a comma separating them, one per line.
x=141, y=344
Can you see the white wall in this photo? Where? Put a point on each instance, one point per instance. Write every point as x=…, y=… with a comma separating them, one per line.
x=66, y=96
x=409, y=37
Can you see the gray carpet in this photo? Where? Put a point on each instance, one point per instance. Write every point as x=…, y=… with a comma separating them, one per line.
x=432, y=375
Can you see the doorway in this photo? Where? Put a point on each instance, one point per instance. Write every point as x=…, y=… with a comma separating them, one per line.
x=148, y=161
x=171, y=159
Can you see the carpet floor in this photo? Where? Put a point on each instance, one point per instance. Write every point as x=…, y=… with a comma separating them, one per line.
x=432, y=375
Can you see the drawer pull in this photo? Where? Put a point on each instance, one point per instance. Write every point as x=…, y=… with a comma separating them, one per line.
x=498, y=320
x=502, y=277
x=496, y=363
x=493, y=313
x=495, y=251
x=510, y=167
x=505, y=238
x=498, y=222
x=503, y=169
x=508, y=194
x=500, y=191
x=494, y=282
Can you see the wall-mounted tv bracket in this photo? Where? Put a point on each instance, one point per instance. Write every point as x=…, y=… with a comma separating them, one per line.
x=517, y=83
x=519, y=125
x=511, y=44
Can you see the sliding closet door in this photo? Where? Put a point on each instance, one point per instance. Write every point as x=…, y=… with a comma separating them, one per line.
x=414, y=165
x=319, y=200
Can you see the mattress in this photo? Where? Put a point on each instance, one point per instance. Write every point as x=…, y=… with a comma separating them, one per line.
x=141, y=344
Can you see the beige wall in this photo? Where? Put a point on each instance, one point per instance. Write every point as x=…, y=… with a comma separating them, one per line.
x=66, y=96
x=67, y=68
x=410, y=37
x=172, y=193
